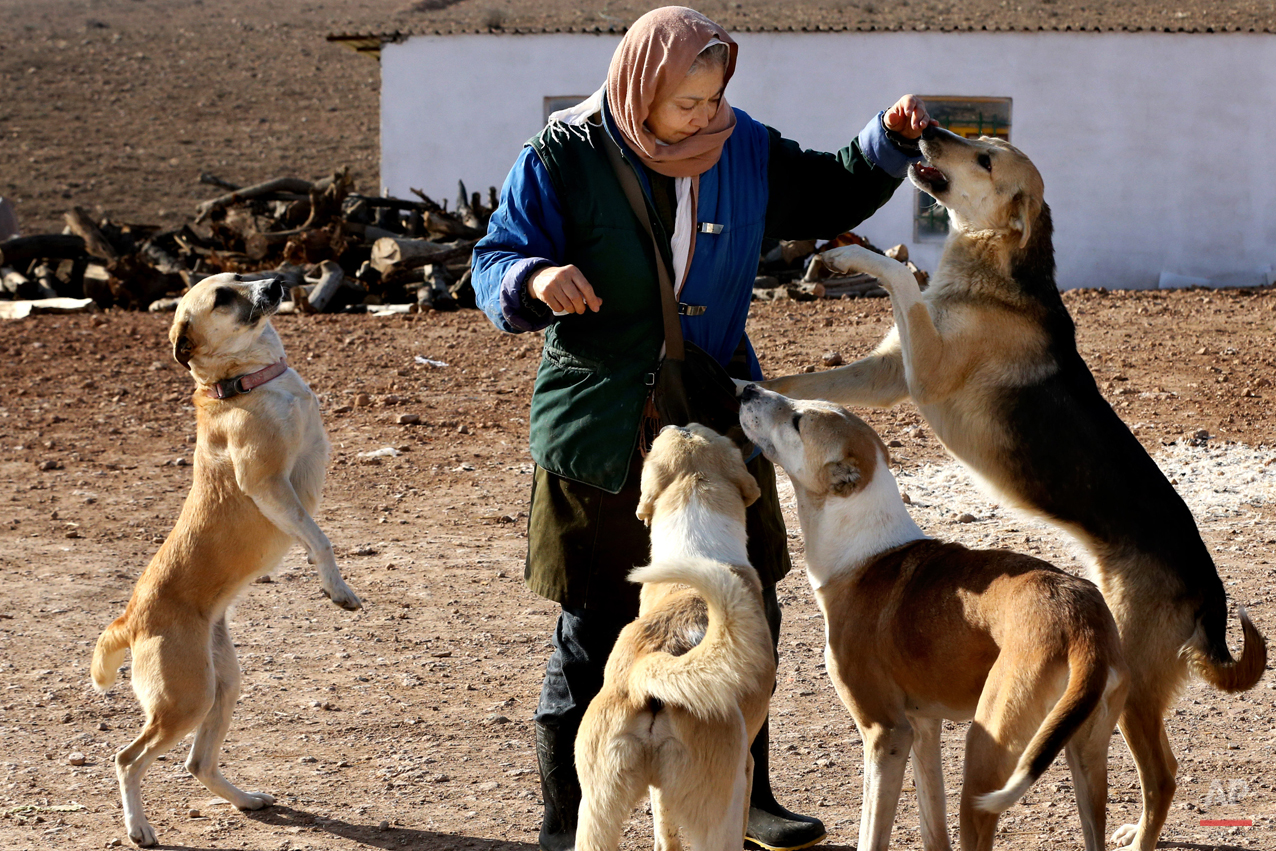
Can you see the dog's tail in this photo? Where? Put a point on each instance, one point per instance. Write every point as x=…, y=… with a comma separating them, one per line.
x=710, y=679
x=1087, y=682
x=109, y=653
x=1209, y=657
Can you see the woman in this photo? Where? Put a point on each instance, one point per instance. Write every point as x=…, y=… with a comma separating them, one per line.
x=565, y=252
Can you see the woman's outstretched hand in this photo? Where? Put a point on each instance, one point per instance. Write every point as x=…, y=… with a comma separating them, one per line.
x=908, y=117
x=564, y=289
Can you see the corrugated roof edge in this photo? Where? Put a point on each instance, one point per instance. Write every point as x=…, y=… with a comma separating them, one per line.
x=400, y=35
x=370, y=43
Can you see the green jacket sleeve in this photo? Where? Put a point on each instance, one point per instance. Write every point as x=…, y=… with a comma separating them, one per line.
x=817, y=195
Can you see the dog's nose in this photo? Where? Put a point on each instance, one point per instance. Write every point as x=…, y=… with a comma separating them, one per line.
x=931, y=131
x=750, y=391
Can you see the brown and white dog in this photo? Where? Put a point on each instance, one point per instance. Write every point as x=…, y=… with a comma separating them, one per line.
x=920, y=631
x=688, y=683
x=988, y=354
x=260, y=459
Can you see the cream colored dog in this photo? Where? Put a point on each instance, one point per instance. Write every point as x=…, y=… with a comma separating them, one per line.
x=988, y=354
x=260, y=458
x=688, y=683
x=919, y=631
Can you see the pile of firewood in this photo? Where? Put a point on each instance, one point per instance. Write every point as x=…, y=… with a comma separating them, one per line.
x=337, y=249
x=793, y=270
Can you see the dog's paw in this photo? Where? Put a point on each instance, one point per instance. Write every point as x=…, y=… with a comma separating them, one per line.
x=343, y=597
x=143, y=835
x=892, y=275
x=853, y=258
x=1125, y=835
x=254, y=801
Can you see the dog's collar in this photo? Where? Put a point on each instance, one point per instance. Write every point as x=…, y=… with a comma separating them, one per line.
x=240, y=384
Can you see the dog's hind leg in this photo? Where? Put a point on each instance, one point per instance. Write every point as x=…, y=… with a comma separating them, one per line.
x=1015, y=698
x=175, y=692
x=604, y=806
x=206, y=749
x=987, y=768
x=885, y=758
x=728, y=833
x=610, y=785
x=663, y=826
x=1144, y=731
x=130, y=765
x=928, y=771
x=719, y=825
x=1087, y=754
x=1088, y=761
x=1157, y=671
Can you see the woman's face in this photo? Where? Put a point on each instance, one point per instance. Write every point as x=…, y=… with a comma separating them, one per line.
x=691, y=106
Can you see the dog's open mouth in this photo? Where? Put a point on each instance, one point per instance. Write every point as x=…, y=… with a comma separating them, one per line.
x=932, y=180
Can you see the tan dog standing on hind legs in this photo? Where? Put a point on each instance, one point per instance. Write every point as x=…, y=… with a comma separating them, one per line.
x=260, y=459
x=688, y=683
x=988, y=354
x=920, y=631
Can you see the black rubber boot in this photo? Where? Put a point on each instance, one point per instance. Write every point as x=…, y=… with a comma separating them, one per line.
x=771, y=826
x=559, y=787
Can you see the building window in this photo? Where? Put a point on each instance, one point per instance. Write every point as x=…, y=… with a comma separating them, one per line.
x=971, y=117
x=554, y=104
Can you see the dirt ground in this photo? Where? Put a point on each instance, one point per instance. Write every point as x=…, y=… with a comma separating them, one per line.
x=407, y=725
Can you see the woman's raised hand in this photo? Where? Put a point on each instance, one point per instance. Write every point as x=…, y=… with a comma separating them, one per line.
x=908, y=117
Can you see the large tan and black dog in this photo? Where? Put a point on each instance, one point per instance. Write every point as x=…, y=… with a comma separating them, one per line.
x=988, y=354
x=919, y=631
x=688, y=683
x=260, y=459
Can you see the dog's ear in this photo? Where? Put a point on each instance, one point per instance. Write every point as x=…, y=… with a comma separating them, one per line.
x=747, y=484
x=646, y=508
x=740, y=474
x=654, y=481
x=182, y=345
x=844, y=476
x=1021, y=216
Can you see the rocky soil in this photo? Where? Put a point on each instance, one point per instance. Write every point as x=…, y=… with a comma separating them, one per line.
x=407, y=724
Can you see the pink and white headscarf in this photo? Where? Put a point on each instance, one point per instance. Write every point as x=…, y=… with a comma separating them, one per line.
x=650, y=63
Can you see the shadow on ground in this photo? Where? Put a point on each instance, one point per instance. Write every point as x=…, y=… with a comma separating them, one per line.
x=391, y=839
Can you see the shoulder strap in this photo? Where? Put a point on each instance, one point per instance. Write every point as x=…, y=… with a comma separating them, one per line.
x=674, y=349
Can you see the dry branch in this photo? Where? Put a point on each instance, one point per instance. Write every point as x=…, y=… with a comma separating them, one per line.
x=279, y=184
x=214, y=180
x=82, y=226
x=20, y=251
x=331, y=279
x=391, y=254
x=435, y=292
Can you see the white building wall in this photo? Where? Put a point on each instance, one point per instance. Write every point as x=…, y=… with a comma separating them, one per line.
x=1155, y=148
